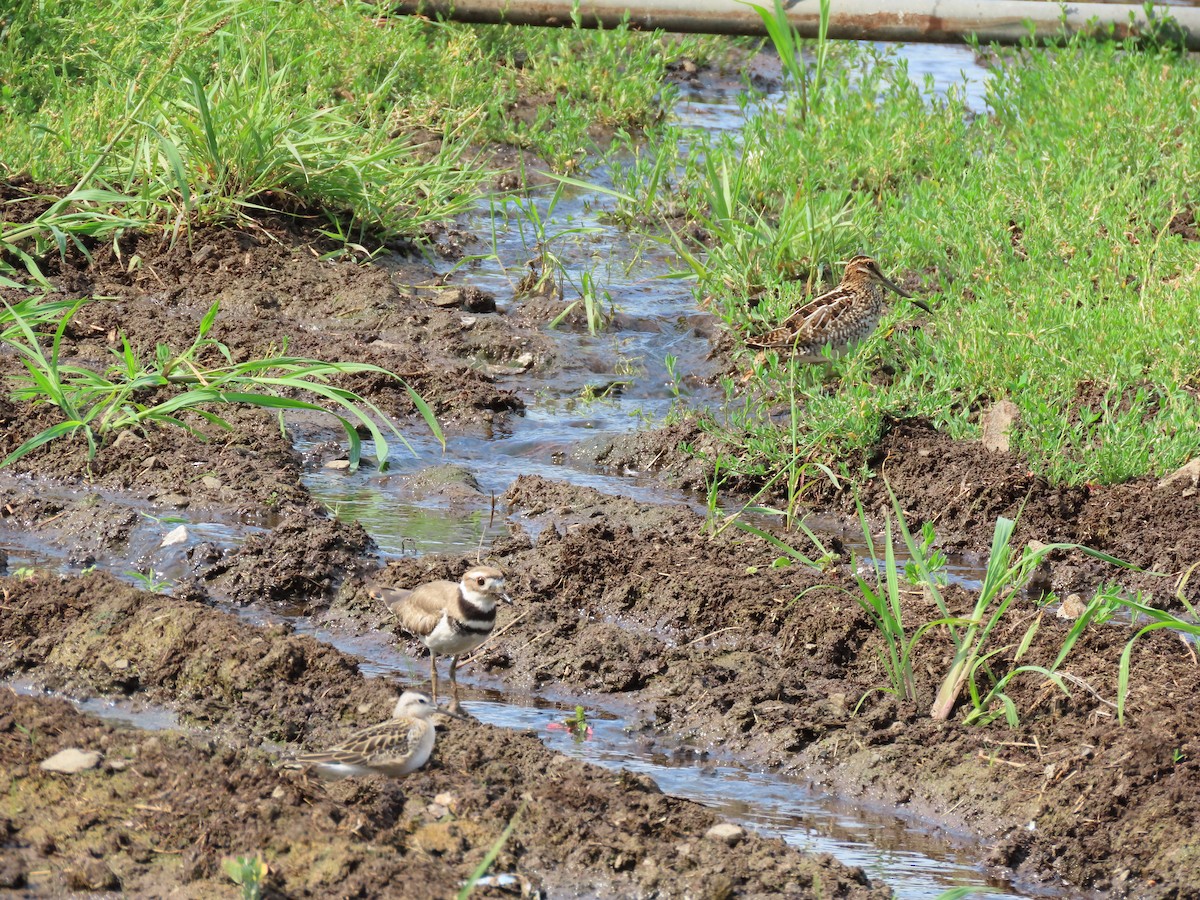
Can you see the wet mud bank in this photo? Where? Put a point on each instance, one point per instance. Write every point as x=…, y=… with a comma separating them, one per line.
x=158, y=812
x=738, y=658
x=715, y=648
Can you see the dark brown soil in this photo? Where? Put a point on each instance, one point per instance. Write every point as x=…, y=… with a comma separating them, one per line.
x=769, y=666
x=161, y=811
x=706, y=640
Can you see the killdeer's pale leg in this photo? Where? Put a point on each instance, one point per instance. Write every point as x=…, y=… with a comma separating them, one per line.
x=449, y=618
x=433, y=675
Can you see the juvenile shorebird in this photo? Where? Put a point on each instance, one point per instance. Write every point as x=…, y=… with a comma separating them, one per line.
x=398, y=746
x=840, y=318
x=450, y=619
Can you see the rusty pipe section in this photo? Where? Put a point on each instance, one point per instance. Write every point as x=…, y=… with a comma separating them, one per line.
x=910, y=21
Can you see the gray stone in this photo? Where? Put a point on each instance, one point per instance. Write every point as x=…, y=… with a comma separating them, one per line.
x=1072, y=607
x=71, y=760
x=726, y=833
x=177, y=535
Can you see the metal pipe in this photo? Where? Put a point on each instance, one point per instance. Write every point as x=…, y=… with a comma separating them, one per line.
x=911, y=21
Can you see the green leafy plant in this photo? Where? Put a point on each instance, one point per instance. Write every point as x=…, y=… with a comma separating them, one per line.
x=935, y=559
x=789, y=47
x=1158, y=619
x=749, y=246
x=148, y=581
x=671, y=364
x=590, y=297
x=577, y=724
x=1003, y=581
x=248, y=872
x=823, y=557
x=30, y=734
x=548, y=267
x=127, y=395
x=882, y=603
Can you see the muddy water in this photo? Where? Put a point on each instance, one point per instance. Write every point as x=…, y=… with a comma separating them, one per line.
x=913, y=861
x=152, y=545
x=613, y=381
x=130, y=711
x=609, y=383
x=913, y=857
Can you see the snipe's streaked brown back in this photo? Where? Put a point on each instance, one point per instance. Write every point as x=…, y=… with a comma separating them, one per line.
x=840, y=318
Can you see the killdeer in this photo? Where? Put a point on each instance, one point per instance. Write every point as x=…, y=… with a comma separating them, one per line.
x=450, y=619
x=840, y=318
x=398, y=746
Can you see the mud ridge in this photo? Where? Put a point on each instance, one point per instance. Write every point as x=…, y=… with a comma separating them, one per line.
x=161, y=811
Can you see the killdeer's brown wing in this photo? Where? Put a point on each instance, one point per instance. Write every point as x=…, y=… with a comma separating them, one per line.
x=420, y=609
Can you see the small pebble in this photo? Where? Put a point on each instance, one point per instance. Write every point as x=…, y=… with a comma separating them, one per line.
x=71, y=760
x=727, y=833
x=1072, y=607
x=177, y=535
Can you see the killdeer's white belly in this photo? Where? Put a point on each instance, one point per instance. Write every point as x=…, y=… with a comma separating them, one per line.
x=451, y=637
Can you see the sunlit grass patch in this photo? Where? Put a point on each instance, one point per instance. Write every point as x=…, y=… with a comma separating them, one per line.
x=162, y=115
x=133, y=393
x=1038, y=229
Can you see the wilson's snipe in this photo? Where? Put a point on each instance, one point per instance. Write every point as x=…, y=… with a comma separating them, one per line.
x=840, y=318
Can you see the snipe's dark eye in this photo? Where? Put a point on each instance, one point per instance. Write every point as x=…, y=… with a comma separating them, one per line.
x=480, y=580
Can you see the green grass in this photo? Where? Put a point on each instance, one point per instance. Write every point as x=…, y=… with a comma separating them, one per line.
x=979, y=668
x=1038, y=233
x=165, y=114
x=247, y=872
x=133, y=393
x=883, y=604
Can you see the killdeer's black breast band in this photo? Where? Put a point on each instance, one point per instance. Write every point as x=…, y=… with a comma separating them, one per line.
x=475, y=626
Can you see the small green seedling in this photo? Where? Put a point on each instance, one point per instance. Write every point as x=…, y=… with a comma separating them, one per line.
x=250, y=872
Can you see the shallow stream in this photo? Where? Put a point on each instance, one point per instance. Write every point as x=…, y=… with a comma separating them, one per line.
x=613, y=382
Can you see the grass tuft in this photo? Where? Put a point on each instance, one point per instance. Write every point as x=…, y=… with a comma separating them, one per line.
x=130, y=393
